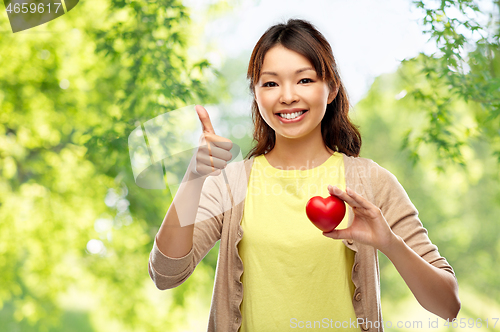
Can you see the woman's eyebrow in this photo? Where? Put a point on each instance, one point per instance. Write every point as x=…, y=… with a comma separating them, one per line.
x=296, y=72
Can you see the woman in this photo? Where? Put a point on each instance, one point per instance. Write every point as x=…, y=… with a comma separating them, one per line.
x=283, y=273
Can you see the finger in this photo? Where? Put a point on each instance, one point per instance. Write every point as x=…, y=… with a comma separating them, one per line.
x=207, y=160
x=363, y=202
x=216, y=152
x=219, y=141
x=206, y=124
x=338, y=234
x=222, y=154
x=203, y=170
x=335, y=191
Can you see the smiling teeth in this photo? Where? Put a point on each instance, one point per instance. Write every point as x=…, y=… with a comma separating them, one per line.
x=290, y=116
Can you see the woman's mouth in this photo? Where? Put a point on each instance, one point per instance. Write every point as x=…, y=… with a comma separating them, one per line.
x=291, y=117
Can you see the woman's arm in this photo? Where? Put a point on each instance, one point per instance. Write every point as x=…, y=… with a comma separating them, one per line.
x=170, y=267
x=180, y=244
x=435, y=289
x=175, y=238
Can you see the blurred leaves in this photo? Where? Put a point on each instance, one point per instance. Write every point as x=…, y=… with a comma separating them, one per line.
x=465, y=67
x=75, y=231
x=459, y=206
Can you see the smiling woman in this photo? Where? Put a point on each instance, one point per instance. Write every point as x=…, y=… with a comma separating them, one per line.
x=294, y=61
x=276, y=90
x=275, y=269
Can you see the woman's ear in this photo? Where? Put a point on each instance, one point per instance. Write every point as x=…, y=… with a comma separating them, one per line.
x=333, y=94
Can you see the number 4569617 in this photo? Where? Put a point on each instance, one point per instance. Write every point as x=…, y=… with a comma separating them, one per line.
x=31, y=8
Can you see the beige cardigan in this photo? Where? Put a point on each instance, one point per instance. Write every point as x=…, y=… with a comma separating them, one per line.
x=219, y=216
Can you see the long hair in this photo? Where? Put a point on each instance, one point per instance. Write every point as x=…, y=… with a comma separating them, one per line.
x=338, y=133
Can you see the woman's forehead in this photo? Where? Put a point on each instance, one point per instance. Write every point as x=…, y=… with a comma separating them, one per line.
x=279, y=59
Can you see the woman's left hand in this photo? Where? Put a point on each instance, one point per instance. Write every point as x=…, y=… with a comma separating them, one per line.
x=368, y=226
x=435, y=289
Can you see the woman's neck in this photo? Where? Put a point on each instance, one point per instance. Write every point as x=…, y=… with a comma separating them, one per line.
x=303, y=153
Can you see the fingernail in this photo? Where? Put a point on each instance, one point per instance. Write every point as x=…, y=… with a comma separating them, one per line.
x=348, y=191
x=330, y=187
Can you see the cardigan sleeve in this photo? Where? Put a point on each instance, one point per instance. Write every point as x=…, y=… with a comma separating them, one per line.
x=167, y=272
x=402, y=217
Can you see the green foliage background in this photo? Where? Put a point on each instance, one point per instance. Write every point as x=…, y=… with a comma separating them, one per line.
x=65, y=175
x=63, y=151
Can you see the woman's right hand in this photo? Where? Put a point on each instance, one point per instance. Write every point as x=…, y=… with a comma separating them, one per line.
x=213, y=152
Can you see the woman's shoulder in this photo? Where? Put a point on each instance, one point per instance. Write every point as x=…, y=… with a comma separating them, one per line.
x=236, y=167
x=367, y=168
x=359, y=163
x=382, y=183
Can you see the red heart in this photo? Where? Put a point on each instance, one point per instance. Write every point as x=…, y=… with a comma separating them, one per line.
x=325, y=213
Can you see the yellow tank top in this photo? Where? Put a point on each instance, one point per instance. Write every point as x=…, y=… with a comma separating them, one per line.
x=294, y=277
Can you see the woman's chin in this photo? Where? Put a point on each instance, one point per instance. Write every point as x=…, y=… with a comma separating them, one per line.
x=291, y=135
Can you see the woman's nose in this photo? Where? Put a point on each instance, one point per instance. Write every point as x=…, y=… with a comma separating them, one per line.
x=288, y=94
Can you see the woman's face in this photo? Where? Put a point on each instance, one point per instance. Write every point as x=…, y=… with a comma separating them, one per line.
x=289, y=84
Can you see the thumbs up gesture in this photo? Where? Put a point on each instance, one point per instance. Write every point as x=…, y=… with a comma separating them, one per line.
x=214, y=151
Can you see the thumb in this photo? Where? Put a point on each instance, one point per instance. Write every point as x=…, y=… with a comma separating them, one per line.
x=337, y=234
x=206, y=125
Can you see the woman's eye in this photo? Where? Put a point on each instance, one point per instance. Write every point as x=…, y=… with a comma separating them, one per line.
x=306, y=80
x=269, y=84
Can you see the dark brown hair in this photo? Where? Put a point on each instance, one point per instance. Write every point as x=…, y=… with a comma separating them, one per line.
x=339, y=134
